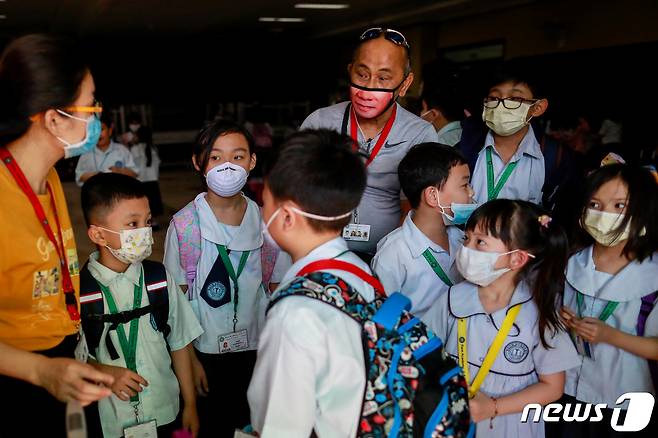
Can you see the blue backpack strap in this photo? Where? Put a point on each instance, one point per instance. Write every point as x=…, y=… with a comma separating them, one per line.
x=155, y=279
x=91, y=308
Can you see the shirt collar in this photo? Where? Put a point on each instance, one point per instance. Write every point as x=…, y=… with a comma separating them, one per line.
x=463, y=300
x=106, y=276
x=327, y=250
x=247, y=237
x=631, y=283
x=528, y=146
x=451, y=126
x=418, y=242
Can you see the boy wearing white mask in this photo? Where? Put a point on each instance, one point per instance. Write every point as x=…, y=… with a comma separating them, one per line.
x=610, y=297
x=215, y=251
x=136, y=321
x=418, y=259
x=511, y=164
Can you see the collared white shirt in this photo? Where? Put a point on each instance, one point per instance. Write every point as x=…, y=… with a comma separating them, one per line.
x=613, y=371
x=519, y=361
x=451, y=133
x=401, y=267
x=252, y=300
x=525, y=182
x=116, y=155
x=160, y=399
x=310, y=372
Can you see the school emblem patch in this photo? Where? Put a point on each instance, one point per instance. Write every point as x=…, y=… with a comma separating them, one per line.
x=216, y=291
x=516, y=351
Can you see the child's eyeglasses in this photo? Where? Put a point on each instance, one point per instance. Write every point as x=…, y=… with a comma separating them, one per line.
x=390, y=34
x=508, y=102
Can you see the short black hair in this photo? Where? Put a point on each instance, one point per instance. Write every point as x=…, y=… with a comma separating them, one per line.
x=317, y=170
x=426, y=165
x=641, y=208
x=516, y=73
x=101, y=192
x=209, y=134
x=107, y=118
x=447, y=101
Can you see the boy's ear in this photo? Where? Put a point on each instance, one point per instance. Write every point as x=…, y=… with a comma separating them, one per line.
x=252, y=162
x=95, y=234
x=539, y=108
x=290, y=218
x=430, y=196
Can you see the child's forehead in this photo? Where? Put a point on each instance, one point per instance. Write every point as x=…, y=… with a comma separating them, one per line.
x=512, y=88
x=459, y=171
x=130, y=207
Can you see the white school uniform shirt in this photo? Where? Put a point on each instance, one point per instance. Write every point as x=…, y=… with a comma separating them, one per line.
x=310, y=372
x=146, y=173
x=613, y=371
x=520, y=360
x=451, y=133
x=526, y=181
x=252, y=298
x=160, y=399
x=401, y=267
x=98, y=161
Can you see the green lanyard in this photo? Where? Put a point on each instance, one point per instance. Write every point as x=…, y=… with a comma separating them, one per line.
x=605, y=314
x=223, y=253
x=493, y=191
x=436, y=267
x=128, y=347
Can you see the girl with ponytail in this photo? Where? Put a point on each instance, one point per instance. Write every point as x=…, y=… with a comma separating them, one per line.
x=502, y=322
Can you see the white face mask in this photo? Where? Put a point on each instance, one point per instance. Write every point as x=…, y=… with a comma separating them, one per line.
x=227, y=179
x=478, y=266
x=268, y=236
x=602, y=226
x=136, y=244
x=505, y=121
x=133, y=127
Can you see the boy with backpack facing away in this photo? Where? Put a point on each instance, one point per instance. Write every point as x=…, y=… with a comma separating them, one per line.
x=418, y=259
x=136, y=321
x=320, y=365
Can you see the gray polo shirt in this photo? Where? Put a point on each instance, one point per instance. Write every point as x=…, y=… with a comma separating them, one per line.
x=380, y=205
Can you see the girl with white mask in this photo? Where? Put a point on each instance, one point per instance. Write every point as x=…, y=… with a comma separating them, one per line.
x=610, y=296
x=215, y=249
x=502, y=323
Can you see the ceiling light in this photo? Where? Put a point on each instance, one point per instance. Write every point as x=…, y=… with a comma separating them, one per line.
x=281, y=20
x=322, y=6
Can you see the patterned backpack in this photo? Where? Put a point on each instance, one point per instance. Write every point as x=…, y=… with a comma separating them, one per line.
x=413, y=389
x=188, y=232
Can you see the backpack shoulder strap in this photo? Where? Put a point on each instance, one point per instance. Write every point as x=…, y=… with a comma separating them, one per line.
x=648, y=303
x=155, y=279
x=91, y=304
x=188, y=232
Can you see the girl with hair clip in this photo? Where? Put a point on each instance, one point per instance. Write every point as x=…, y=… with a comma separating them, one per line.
x=502, y=322
x=610, y=294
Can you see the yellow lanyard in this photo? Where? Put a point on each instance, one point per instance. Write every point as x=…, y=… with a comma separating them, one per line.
x=495, y=347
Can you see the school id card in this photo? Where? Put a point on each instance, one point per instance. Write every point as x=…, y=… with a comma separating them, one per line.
x=232, y=342
x=357, y=232
x=583, y=347
x=148, y=429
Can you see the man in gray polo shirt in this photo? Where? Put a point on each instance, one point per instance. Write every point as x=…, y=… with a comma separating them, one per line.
x=380, y=72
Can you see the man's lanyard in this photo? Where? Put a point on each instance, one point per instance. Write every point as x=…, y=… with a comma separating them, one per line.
x=493, y=191
x=436, y=267
x=605, y=314
x=223, y=253
x=21, y=180
x=382, y=137
x=128, y=346
x=494, y=349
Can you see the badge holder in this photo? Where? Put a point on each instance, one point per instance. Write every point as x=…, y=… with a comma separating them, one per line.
x=355, y=231
x=583, y=347
x=147, y=429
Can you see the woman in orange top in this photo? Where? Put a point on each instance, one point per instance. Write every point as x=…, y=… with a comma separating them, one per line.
x=47, y=112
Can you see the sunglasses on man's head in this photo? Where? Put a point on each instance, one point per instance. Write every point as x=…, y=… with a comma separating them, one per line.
x=390, y=34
